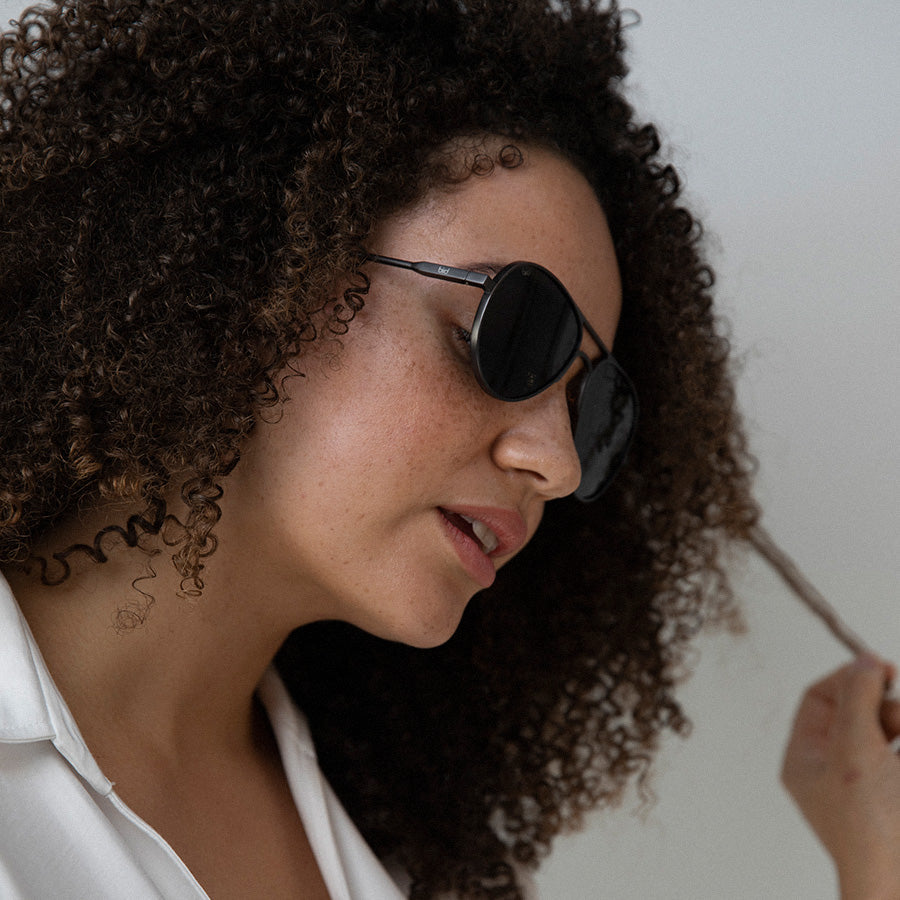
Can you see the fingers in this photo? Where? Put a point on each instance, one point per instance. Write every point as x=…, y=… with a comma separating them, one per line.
x=859, y=698
x=890, y=718
x=843, y=719
x=815, y=717
x=842, y=773
x=890, y=707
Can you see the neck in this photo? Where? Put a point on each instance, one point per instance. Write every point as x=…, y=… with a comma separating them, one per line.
x=177, y=672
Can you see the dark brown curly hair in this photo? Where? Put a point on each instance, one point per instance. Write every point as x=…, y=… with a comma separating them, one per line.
x=181, y=181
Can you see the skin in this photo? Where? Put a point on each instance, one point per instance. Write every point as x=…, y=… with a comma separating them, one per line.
x=333, y=512
x=844, y=775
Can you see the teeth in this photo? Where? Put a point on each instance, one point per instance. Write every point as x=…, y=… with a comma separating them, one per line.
x=489, y=540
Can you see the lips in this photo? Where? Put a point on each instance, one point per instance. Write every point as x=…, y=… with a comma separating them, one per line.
x=481, y=534
x=476, y=529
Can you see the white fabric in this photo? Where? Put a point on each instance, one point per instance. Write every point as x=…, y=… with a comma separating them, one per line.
x=64, y=833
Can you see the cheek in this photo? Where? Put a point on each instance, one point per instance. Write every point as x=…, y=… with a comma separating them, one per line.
x=420, y=419
x=392, y=408
x=413, y=375
x=389, y=410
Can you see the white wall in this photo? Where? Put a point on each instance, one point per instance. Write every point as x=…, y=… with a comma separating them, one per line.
x=785, y=118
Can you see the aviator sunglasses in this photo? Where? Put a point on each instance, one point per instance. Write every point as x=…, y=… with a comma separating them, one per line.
x=526, y=334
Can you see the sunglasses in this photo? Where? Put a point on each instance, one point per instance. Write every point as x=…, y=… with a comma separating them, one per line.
x=526, y=334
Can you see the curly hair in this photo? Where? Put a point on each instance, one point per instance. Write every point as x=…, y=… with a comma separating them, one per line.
x=180, y=183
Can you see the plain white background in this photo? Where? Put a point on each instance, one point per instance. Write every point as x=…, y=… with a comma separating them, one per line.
x=784, y=118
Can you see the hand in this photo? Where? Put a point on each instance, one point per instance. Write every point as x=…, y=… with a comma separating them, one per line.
x=842, y=772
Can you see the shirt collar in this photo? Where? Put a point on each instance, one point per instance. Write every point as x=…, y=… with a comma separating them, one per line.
x=31, y=706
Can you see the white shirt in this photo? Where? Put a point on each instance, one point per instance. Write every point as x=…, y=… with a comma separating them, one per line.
x=64, y=832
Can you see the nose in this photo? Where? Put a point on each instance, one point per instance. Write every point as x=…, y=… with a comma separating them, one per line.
x=535, y=442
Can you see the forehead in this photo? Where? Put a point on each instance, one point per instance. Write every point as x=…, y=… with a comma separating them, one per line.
x=543, y=211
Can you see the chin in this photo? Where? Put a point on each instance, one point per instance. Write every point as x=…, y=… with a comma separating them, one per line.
x=425, y=636
x=422, y=631
x=431, y=640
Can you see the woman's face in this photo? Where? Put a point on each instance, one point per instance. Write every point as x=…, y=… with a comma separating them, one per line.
x=349, y=507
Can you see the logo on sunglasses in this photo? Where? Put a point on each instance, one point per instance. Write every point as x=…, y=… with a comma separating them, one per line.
x=443, y=270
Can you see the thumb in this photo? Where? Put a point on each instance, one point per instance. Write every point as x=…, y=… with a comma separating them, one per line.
x=856, y=720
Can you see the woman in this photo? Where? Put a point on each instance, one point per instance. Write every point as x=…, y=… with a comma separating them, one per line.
x=238, y=428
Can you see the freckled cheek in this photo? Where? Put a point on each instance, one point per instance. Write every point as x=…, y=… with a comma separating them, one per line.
x=437, y=416
x=452, y=393
x=399, y=402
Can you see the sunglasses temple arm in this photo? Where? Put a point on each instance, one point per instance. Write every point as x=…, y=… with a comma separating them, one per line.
x=594, y=336
x=435, y=270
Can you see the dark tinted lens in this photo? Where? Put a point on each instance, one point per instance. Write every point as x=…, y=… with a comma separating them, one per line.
x=607, y=411
x=528, y=333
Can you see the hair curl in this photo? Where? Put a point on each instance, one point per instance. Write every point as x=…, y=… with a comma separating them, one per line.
x=180, y=182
